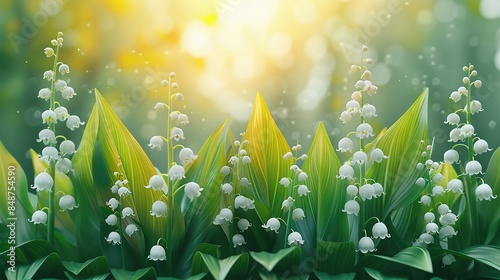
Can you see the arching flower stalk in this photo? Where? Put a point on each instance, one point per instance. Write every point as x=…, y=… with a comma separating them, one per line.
x=57, y=160
x=361, y=188
x=464, y=134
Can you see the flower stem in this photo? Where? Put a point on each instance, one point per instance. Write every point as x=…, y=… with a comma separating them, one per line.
x=170, y=160
x=120, y=231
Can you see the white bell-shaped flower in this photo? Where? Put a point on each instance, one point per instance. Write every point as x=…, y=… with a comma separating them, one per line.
x=50, y=154
x=429, y=217
x=366, y=191
x=123, y=191
x=160, y=107
x=225, y=170
x=192, y=190
x=456, y=135
x=226, y=188
x=295, y=238
x=481, y=146
x=360, y=85
x=443, y=209
x=159, y=209
x=43, y=181
x=272, y=224
x=356, y=95
x=243, y=224
x=60, y=85
x=447, y=232
x=73, y=122
x=452, y=119
x=46, y=136
x=64, y=165
x=234, y=160
x=475, y=107
x=368, y=111
x=448, y=219
x=118, y=184
x=287, y=204
x=359, y=157
x=38, y=217
x=448, y=259
x=437, y=191
x=302, y=190
x=377, y=155
x=44, y=93
x=226, y=214
x=345, y=116
x=437, y=177
x=176, y=172
x=352, y=107
x=174, y=116
x=156, y=142
x=352, y=190
x=111, y=220
x=67, y=202
x=485, y=192
x=467, y=131
x=455, y=96
x=473, y=167
x=243, y=202
x=127, y=212
x=183, y=119
x=114, y=238
x=420, y=166
x=298, y=214
x=425, y=199
x=186, y=155
x=431, y=228
x=371, y=90
x=302, y=176
x=49, y=117
x=379, y=230
x=68, y=93
x=364, y=130
x=426, y=238
x=420, y=182
x=452, y=156
x=366, y=245
x=220, y=221
x=455, y=185
x=346, y=172
x=246, y=160
x=238, y=240
x=61, y=113
x=285, y=182
x=157, y=253
x=156, y=183
x=176, y=134
x=67, y=147
x=345, y=144
x=244, y=182
x=351, y=207
x=379, y=189
x=130, y=229
x=287, y=156
x=63, y=68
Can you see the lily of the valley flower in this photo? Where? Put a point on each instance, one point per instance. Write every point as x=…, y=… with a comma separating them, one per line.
x=346, y=172
x=156, y=183
x=46, y=136
x=452, y=156
x=366, y=245
x=224, y=217
x=50, y=154
x=176, y=134
x=159, y=209
x=351, y=207
x=455, y=185
x=127, y=212
x=113, y=203
x=186, y=155
x=157, y=253
x=272, y=224
x=481, y=146
x=473, y=167
x=68, y=93
x=130, y=229
x=38, y=217
x=156, y=142
x=429, y=217
x=176, y=172
x=484, y=192
x=379, y=230
x=298, y=214
x=113, y=237
x=443, y=209
x=345, y=144
x=243, y=224
x=243, y=202
x=67, y=147
x=226, y=188
x=287, y=204
x=73, y=122
x=452, y=119
x=192, y=190
x=364, y=130
x=124, y=191
x=44, y=93
x=448, y=259
x=238, y=240
x=366, y=191
x=426, y=238
x=303, y=190
x=43, y=181
x=377, y=155
x=64, y=165
x=295, y=238
x=49, y=117
x=111, y=220
x=359, y=157
x=67, y=202
x=431, y=228
x=467, y=131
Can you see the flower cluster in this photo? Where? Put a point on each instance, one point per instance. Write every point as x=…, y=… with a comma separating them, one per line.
x=123, y=215
x=236, y=182
x=463, y=131
x=361, y=188
x=56, y=155
x=168, y=184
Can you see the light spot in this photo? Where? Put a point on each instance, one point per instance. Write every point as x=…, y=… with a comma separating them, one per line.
x=489, y=9
x=196, y=39
x=110, y=82
x=279, y=44
x=151, y=115
x=381, y=74
x=424, y=17
x=492, y=124
x=305, y=11
x=316, y=47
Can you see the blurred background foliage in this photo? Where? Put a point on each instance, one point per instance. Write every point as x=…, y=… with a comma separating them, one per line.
x=296, y=52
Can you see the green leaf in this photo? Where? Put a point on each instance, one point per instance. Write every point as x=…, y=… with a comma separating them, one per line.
x=96, y=266
x=287, y=257
x=342, y=254
x=342, y=276
x=70, y=276
x=143, y=273
x=489, y=211
x=375, y=274
x=29, y=251
x=414, y=256
x=47, y=266
x=14, y=185
x=232, y=267
x=488, y=255
x=266, y=149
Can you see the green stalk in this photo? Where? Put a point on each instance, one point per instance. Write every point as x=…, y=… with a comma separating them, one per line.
x=170, y=160
x=120, y=231
x=361, y=218
x=52, y=167
x=289, y=216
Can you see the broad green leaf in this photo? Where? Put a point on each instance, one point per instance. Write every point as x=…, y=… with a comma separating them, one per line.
x=140, y=274
x=29, y=251
x=488, y=255
x=324, y=216
x=489, y=211
x=201, y=212
x=266, y=149
x=414, y=256
x=375, y=274
x=288, y=257
x=70, y=276
x=342, y=254
x=14, y=196
x=220, y=269
x=47, y=266
x=96, y=266
x=342, y=276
